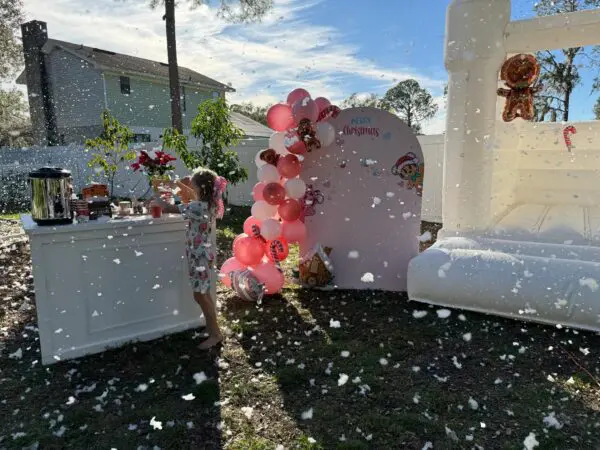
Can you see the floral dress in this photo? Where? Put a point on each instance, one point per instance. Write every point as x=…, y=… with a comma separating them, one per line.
x=199, y=250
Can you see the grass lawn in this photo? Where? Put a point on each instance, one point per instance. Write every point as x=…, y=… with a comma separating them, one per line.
x=13, y=216
x=307, y=370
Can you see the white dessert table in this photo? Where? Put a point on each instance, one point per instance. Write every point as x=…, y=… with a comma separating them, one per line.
x=104, y=283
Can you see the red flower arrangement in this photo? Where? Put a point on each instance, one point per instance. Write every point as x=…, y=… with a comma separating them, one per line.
x=154, y=167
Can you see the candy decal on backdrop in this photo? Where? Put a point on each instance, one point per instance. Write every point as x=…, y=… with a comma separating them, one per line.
x=567, y=132
x=282, y=199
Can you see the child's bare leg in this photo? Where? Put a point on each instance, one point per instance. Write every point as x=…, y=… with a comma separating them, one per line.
x=209, y=308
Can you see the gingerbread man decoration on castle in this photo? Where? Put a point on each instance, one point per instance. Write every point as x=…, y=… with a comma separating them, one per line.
x=519, y=73
x=411, y=171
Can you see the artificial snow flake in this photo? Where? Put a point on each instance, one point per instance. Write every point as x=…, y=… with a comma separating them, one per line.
x=590, y=283
x=585, y=351
x=416, y=399
x=141, y=388
x=383, y=362
x=467, y=337
x=155, y=287
x=428, y=445
x=334, y=323
x=188, y=397
x=70, y=400
x=307, y=415
x=376, y=201
x=353, y=254
x=425, y=237
x=345, y=354
x=157, y=425
x=451, y=434
x=462, y=317
x=419, y=314
x=200, y=377
x=443, y=269
x=456, y=363
x=530, y=442
x=367, y=278
x=137, y=253
x=60, y=431
x=443, y=313
x=473, y=404
x=248, y=411
x=343, y=379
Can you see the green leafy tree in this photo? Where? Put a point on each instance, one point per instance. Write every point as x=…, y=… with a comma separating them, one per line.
x=364, y=101
x=255, y=112
x=110, y=151
x=216, y=135
x=411, y=103
x=15, y=129
x=560, y=74
x=235, y=11
x=597, y=109
x=11, y=52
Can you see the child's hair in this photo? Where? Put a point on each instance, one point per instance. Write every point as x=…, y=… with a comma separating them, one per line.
x=203, y=181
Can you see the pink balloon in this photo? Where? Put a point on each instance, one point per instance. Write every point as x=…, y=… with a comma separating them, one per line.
x=274, y=194
x=257, y=191
x=289, y=166
x=277, y=249
x=251, y=225
x=279, y=117
x=248, y=250
x=290, y=210
x=270, y=276
x=231, y=265
x=293, y=232
x=305, y=108
x=322, y=103
x=297, y=94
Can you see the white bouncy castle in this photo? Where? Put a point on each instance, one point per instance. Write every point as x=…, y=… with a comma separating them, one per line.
x=521, y=208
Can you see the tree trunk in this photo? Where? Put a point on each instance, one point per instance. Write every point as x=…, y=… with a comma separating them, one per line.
x=173, y=69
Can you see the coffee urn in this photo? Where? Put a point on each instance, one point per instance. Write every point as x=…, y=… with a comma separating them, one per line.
x=51, y=191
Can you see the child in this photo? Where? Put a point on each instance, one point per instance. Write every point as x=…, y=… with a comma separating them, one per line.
x=202, y=202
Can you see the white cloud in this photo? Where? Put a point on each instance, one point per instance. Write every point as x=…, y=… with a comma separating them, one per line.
x=263, y=61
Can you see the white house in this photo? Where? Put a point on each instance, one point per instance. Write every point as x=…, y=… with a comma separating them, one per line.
x=69, y=85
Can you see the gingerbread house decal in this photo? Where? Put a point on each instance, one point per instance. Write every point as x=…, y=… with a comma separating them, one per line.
x=316, y=269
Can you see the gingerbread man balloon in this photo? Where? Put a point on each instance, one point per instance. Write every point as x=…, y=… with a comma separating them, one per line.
x=519, y=73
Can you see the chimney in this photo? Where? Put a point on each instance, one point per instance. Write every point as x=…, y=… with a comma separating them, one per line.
x=41, y=107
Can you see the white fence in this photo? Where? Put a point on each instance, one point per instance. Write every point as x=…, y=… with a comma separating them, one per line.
x=15, y=164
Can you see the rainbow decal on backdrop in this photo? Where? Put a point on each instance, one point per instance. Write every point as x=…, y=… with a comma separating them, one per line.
x=277, y=219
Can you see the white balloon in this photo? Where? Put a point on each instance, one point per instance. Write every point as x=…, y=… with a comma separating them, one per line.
x=268, y=174
x=295, y=188
x=263, y=211
x=270, y=229
x=325, y=133
x=276, y=142
x=259, y=162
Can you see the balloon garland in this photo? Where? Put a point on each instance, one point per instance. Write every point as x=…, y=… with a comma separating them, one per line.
x=278, y=213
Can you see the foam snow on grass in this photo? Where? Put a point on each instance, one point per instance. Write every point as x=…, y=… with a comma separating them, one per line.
x=200, y=377
x=157, y=425
x=188, y=397
x=425, y=237
x=334, y=323
x=383, y=362
x=343, y=379
x=552, y=422
x=16, y=355
x=531, y=442
x=443, y=313
x=141, y=388
x=419, y=314
x=473, y=404
x=590, y=283
x=248, y=411
x=467, y=337
x=307, y=415
x=345, y=354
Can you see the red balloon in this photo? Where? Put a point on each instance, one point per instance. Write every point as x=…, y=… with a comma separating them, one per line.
x=271, y=276
x=257, y=191
x=274, y=194
x=297, y=94
x=322, y=103
x=289, y=166
x=277, y=249
x=305, y=108
x=231, y=265
x=293, y=231
x=248, y=250
x=279, y=117
x=294, y=144
x=252, y=226
x=290, y=210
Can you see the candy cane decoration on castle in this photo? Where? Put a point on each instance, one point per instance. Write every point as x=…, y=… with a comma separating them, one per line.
x=567, y=131
x=277, y=220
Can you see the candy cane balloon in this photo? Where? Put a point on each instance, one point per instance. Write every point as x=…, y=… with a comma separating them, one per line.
x=566, y=134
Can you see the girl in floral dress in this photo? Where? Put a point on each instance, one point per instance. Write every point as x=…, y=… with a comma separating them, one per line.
x=202, y=202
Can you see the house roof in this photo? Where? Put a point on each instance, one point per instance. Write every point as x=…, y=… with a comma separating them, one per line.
x=250, y=127
x=106, y=60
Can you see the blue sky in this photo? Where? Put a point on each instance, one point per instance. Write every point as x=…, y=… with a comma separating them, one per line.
x=331, y=47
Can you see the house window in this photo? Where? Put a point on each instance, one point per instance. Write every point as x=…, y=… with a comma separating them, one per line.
x=141, y=138
x=183, y=98
x=125, y=87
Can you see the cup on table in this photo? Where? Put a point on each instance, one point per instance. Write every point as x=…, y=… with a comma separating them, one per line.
x=155, y=210
x=124, y=208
